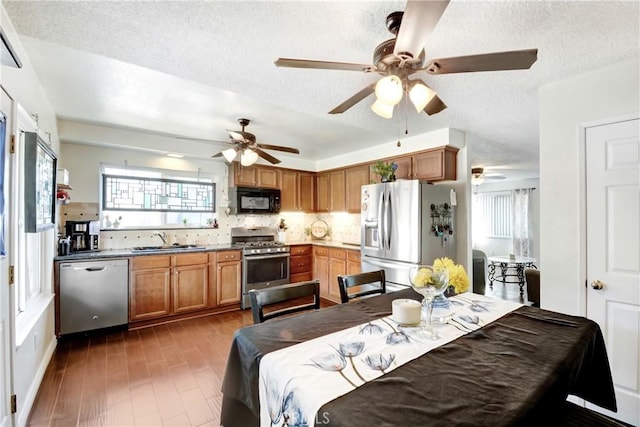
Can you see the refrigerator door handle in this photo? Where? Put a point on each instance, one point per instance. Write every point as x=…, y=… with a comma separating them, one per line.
x=381, y=221
x=389, y=222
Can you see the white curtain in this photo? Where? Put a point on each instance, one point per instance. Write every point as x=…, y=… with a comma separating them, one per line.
x=521, y=223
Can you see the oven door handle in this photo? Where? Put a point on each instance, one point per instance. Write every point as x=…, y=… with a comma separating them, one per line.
x=280, y=255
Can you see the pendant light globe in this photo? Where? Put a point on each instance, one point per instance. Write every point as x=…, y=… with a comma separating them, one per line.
x=382, y=109
x=248, y=157
x=389, y=90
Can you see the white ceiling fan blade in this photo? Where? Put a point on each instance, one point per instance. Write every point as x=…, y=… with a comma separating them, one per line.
x=236, y=136
x=418, y=22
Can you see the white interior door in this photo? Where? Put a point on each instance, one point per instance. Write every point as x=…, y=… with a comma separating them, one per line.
x=6, y=314
x=613, y=253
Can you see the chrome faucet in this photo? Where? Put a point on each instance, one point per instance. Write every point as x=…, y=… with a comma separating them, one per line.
x=162, y=235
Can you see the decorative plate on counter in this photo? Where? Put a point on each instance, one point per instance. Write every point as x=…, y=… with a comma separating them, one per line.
x=319, y=229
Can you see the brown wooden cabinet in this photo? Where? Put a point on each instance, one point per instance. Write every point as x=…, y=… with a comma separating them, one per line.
x=190, y=282
x=150, y=287
x=337, y=191
x=354, y=265
x=404, y=170
x=322, y=192
x=300, y=263
x=438, y=164
x=337, y=267
x=355, y=178
x=228, y=277
x=321, y=269
x=297, y=191
x=328, y=264
x=255, y=176
x=178, y=285
x=435, y=164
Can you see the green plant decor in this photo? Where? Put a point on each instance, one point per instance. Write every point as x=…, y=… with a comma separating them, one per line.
x=386, y=171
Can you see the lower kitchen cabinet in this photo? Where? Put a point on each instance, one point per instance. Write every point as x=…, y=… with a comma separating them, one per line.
x=321, y=269
x=354, y=265
x=228, y=277
x=150, y=287
x=300, y=263
x=337, y=267
x=174, y=286
x=190, y=282
x=328, y=264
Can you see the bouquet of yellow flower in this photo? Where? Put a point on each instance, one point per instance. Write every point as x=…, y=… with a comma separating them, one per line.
x=457, y=276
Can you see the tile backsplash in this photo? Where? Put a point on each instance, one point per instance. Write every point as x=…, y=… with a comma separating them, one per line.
x=343, y=227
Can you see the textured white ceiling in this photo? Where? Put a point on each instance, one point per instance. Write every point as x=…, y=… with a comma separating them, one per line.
x=192, y=68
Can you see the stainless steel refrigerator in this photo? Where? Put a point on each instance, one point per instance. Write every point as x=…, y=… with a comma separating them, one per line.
x=404, y=223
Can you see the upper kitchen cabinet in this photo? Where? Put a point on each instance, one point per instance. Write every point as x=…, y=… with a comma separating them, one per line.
x=255, y=176
x=322, y=192
x=438, y=164
x=297, y=191
x=404, y=170
x=337, y=191
x=355, y=178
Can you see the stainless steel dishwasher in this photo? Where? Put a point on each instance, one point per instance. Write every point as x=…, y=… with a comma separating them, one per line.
x=93, y=295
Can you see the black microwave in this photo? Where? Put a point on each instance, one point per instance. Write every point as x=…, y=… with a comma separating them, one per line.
x=250, y=200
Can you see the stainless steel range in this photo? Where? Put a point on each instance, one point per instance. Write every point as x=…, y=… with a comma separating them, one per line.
x=265, y=262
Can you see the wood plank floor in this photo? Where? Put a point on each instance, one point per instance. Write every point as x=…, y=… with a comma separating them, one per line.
x=166, y=375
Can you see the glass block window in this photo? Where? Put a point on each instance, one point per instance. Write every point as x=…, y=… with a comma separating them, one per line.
x=127, y=193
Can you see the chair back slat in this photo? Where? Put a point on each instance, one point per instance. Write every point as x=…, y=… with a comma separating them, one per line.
x=262, y=298
x=368, y=283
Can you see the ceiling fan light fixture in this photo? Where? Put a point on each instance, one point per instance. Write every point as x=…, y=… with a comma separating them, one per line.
x=389, y=90
x=248, y=157
x=421, y=95
x=229, y=154
x=477, y=179
x=382, y=109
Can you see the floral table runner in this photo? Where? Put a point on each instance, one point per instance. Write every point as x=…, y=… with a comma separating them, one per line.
x=296, y=381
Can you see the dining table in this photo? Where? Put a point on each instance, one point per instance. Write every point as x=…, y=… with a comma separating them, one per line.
x=517, y=370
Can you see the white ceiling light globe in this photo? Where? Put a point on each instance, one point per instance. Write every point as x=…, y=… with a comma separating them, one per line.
x=389, y=90
x=382, y=109
x=248, y=157
x=420, y=96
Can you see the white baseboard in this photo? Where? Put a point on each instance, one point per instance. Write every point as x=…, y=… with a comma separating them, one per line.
x=25, y=407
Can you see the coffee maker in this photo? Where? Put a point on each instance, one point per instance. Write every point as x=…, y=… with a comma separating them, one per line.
x=84, y=235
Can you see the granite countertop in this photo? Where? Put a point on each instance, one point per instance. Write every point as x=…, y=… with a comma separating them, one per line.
x=330, y=243
x=124, y=253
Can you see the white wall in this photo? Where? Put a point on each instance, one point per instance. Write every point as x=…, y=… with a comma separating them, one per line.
x=32, y=357
x=565, y=107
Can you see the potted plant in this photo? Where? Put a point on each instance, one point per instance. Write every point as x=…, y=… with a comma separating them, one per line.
x=386, y=171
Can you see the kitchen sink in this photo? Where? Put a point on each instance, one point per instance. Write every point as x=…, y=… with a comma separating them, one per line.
x=164, y=248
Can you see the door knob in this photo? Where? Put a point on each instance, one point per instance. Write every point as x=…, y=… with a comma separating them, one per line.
x=597, y=285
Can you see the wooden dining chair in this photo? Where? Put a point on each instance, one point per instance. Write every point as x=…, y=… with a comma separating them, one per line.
x=277, y=298
x=532, y=277
x=360, y=285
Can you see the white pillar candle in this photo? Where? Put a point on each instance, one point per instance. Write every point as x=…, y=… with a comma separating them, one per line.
x=406, y=311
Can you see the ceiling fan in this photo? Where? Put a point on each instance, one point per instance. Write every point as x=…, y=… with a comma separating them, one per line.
x=400, y=57
x=478, y=176
x=245, y=143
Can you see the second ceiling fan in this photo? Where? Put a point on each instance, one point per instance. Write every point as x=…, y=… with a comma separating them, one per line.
x=400, y=57
x=245, y=143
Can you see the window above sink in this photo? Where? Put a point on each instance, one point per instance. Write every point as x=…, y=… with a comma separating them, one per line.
x=139, y=198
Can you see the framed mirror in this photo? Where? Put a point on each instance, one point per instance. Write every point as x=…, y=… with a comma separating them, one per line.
x=40, y=164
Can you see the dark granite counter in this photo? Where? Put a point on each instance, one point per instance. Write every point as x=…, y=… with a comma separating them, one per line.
x=125, y=253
